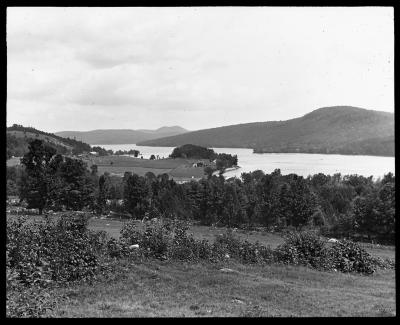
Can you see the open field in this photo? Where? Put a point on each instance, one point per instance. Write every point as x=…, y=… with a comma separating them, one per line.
x=141, y=171
x=175, y=289
x=178, y=168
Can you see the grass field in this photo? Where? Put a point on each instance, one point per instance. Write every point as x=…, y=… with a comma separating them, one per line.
x=153, y=288
x=175, y=289
x=178, y=168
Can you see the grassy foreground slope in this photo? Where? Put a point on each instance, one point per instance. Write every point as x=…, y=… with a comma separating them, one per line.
x=338, y=129
x=149, y=287
x=175, y=289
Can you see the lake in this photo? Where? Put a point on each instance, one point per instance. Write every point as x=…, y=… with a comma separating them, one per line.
x=298, y=163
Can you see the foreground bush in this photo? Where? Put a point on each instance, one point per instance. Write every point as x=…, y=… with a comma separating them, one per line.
x=307, y=248
x=302, y=248
x=169, y=239
x=23, y=301
x=42, y=253
x=347, y=256
x=52, y=251
x=163, y=240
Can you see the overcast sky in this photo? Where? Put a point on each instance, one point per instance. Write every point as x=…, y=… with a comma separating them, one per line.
x=135, y=68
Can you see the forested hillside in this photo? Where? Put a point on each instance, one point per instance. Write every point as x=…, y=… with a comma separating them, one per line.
x=18, y=138
x=339, y=129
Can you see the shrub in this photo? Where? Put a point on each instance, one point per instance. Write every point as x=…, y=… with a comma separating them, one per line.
x=305, y=248
x=23, y=301
x=41, y=252
x=165, y=240
x=184, y=246
x=116, y=248
x=227, y=243
x=170, y=240
x=255, y=253
x=347, y=256
x=130, y=233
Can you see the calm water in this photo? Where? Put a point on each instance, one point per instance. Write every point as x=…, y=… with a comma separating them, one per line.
x=298, y=163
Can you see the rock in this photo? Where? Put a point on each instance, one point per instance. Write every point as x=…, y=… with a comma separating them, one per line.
x=333, y=240
x=226, y=270
x=135, y=246
x=107, y=224
x=227, y=256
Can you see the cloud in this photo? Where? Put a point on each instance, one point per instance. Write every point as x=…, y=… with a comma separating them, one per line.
x=198, y=67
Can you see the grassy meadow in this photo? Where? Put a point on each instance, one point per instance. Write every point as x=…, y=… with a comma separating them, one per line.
x=154, y=288
x=178, y=168
x=174, y=289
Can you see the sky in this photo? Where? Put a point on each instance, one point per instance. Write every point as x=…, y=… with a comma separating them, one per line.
x=196, y=67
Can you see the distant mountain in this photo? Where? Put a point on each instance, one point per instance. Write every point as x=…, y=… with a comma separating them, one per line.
x=337, y=129
x=121, y=136
x=18, y=138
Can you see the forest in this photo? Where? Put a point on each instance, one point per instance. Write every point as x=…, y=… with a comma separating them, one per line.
x=350, y=206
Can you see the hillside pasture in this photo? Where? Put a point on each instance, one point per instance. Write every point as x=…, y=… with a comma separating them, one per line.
x=141, y=171
x=174, y=289
x=178, y=169
x=154, y=288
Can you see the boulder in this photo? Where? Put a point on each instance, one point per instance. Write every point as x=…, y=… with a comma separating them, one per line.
x=333, y=240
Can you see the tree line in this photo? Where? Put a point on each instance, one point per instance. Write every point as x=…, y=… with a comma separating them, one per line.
x=351, y=206
x=222, y=160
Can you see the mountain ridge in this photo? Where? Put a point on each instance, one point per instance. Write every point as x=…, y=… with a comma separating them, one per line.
x=335, y=129
x=121, y=136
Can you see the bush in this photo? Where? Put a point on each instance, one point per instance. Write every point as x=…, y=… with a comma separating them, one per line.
x=117, y=248
x=23, y=301
x=227, y=243
x=305, y=248
x=164, y=240
x=170, y=240
x=42, y=252
x=347, y=256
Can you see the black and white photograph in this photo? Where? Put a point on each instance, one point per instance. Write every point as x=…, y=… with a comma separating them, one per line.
x=200, y=161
